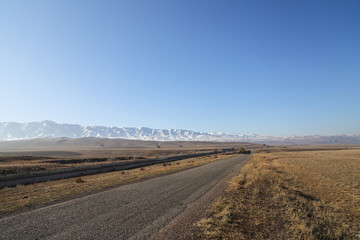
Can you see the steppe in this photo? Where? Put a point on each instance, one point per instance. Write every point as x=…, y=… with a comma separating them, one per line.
x=44, y=154
x=291, y=192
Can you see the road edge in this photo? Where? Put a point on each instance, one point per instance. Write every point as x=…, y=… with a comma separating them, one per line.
x=181, y=227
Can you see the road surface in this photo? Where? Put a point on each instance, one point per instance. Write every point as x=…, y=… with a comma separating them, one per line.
x=134, y=211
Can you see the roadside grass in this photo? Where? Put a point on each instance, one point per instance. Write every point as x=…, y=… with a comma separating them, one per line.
x=28, y=163
x=38, y=194
x=290, y=195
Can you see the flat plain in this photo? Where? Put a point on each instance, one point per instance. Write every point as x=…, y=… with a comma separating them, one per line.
x=50, y=154
x=44, y=154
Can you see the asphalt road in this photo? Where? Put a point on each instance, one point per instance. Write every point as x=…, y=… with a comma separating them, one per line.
x=134, y=211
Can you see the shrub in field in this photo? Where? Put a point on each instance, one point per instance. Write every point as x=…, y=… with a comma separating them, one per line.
x=79, y=180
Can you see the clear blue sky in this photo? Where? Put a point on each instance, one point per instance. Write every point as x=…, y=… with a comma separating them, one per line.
x=267, y=67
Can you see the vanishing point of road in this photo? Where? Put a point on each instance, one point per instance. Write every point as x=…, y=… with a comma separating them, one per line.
x=160, y=208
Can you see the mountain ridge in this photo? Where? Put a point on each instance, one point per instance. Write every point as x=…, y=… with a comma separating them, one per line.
x=30, y=130
x=49, y=129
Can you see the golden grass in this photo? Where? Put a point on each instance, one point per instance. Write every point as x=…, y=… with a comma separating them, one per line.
x=290, y=195
x=14, y=199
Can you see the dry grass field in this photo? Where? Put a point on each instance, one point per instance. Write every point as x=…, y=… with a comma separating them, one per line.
x=25, y=162
x=22, y=156
x=287, y=194
x=39, y=194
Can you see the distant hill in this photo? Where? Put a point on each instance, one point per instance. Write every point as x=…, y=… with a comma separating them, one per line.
x=49, y=129
x=311, y=139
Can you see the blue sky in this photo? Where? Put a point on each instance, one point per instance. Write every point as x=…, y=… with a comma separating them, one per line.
x=266, y=67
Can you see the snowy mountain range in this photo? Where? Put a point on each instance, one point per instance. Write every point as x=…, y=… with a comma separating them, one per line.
x=17, y=131
x=46, y=129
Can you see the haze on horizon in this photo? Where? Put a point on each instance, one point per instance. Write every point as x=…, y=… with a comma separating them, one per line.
x=267, y=67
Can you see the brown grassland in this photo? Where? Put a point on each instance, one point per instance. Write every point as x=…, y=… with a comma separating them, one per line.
x=26, y=162
x=290, y=195
x=39, y=194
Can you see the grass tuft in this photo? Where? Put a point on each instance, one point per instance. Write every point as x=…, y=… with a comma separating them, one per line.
x=79, y=180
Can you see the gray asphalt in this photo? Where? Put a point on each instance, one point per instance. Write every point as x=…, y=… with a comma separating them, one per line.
x=134, y=211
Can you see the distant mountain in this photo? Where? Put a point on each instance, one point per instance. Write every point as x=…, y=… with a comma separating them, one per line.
x=19, y=131
x=49, y=129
